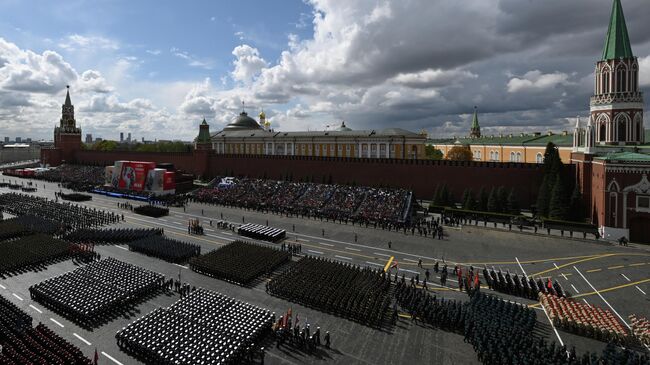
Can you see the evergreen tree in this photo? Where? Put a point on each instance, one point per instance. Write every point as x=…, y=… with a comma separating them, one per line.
x=493, y=203
x=436, y=195
x=468, y=202
x=463, y=199
x=576, y=205
x=483, y=199
x=557, y=207
x=513, y=202
x=502, y=199
x=444, y=196
x=543, y=197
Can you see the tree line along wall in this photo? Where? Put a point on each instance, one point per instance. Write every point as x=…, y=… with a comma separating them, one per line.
x=421, y=176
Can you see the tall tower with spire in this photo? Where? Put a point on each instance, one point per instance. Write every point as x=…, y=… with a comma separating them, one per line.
x=616, y=108
x=475, y=132
x=67, y=137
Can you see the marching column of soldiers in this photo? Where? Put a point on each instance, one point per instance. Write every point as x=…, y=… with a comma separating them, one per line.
x=69, y=216
x=93, y=293
x=20, y=343
x=111, y=235
x=346, y=290
x=239, y=262
x=204, y=327
x=521, y=286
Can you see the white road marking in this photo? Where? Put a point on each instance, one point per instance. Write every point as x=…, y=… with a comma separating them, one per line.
x=316, y=252
x=626, y=278
x=123, y=248
x=574, y=288
x=380, y=254
x=564, y=276
x=374, y=263
x=57, y=322
x=16, y=295
x=325, y=244
x=409, y=260
x=227, y=233
x=342, y=257
x=82, y=339
x=553, y=326
x=164, y=220
x=586, y=302
x=2, y=286
x=111, y=358
x=604, y=300
x=521, y=267
x=411, y=271
x=36, y=309
x=184, y=267
x=640, y=290
x=353, y=249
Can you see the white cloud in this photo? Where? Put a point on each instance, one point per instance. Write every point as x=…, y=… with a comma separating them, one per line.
x=537, y=81
x=30, y=72
x=92, y=80
x=644, y=71
x=248, y=63
x=433, y=78
x=191, y=59
x=77, y=41
x=154, y=52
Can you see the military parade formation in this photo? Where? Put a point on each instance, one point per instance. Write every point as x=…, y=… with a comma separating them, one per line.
x=360, y=294
x=165, y=248
x=94, y=293
x=21, y=344
x=203, y=328
x=239, y=262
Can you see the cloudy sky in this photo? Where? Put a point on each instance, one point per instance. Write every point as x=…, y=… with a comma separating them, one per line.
x=156, y=68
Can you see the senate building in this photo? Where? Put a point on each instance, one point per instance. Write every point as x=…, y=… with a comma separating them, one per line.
x=244, y=135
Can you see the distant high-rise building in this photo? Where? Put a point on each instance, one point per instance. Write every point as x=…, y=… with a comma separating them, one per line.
x=128, y=138
x=6, y=139
x=98, y=139
x=28, y=140
x=121, y=137
x=18, y=139
x=89, y=138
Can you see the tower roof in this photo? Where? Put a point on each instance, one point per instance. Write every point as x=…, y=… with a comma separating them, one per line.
x=67, y=96
x=617, y=42
x=475, y=119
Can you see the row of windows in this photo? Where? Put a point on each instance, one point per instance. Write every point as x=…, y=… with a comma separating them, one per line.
x=514, y=156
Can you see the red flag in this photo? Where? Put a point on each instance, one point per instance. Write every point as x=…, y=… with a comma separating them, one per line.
x=549, y=284
x=96, y=359
x=477, y=283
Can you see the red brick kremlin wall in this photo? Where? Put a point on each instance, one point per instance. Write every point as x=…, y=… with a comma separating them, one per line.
x=421, y=176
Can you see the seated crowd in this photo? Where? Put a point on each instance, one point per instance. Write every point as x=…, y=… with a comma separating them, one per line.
x=336, y=202
x=94, y=293
x=641, y=329
x=31, y=251
x=20, y=343
x=75, y=177
x=165, y=248
x=204, y=328
x=349, y=291
x=67, y=215
x=239, y=262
